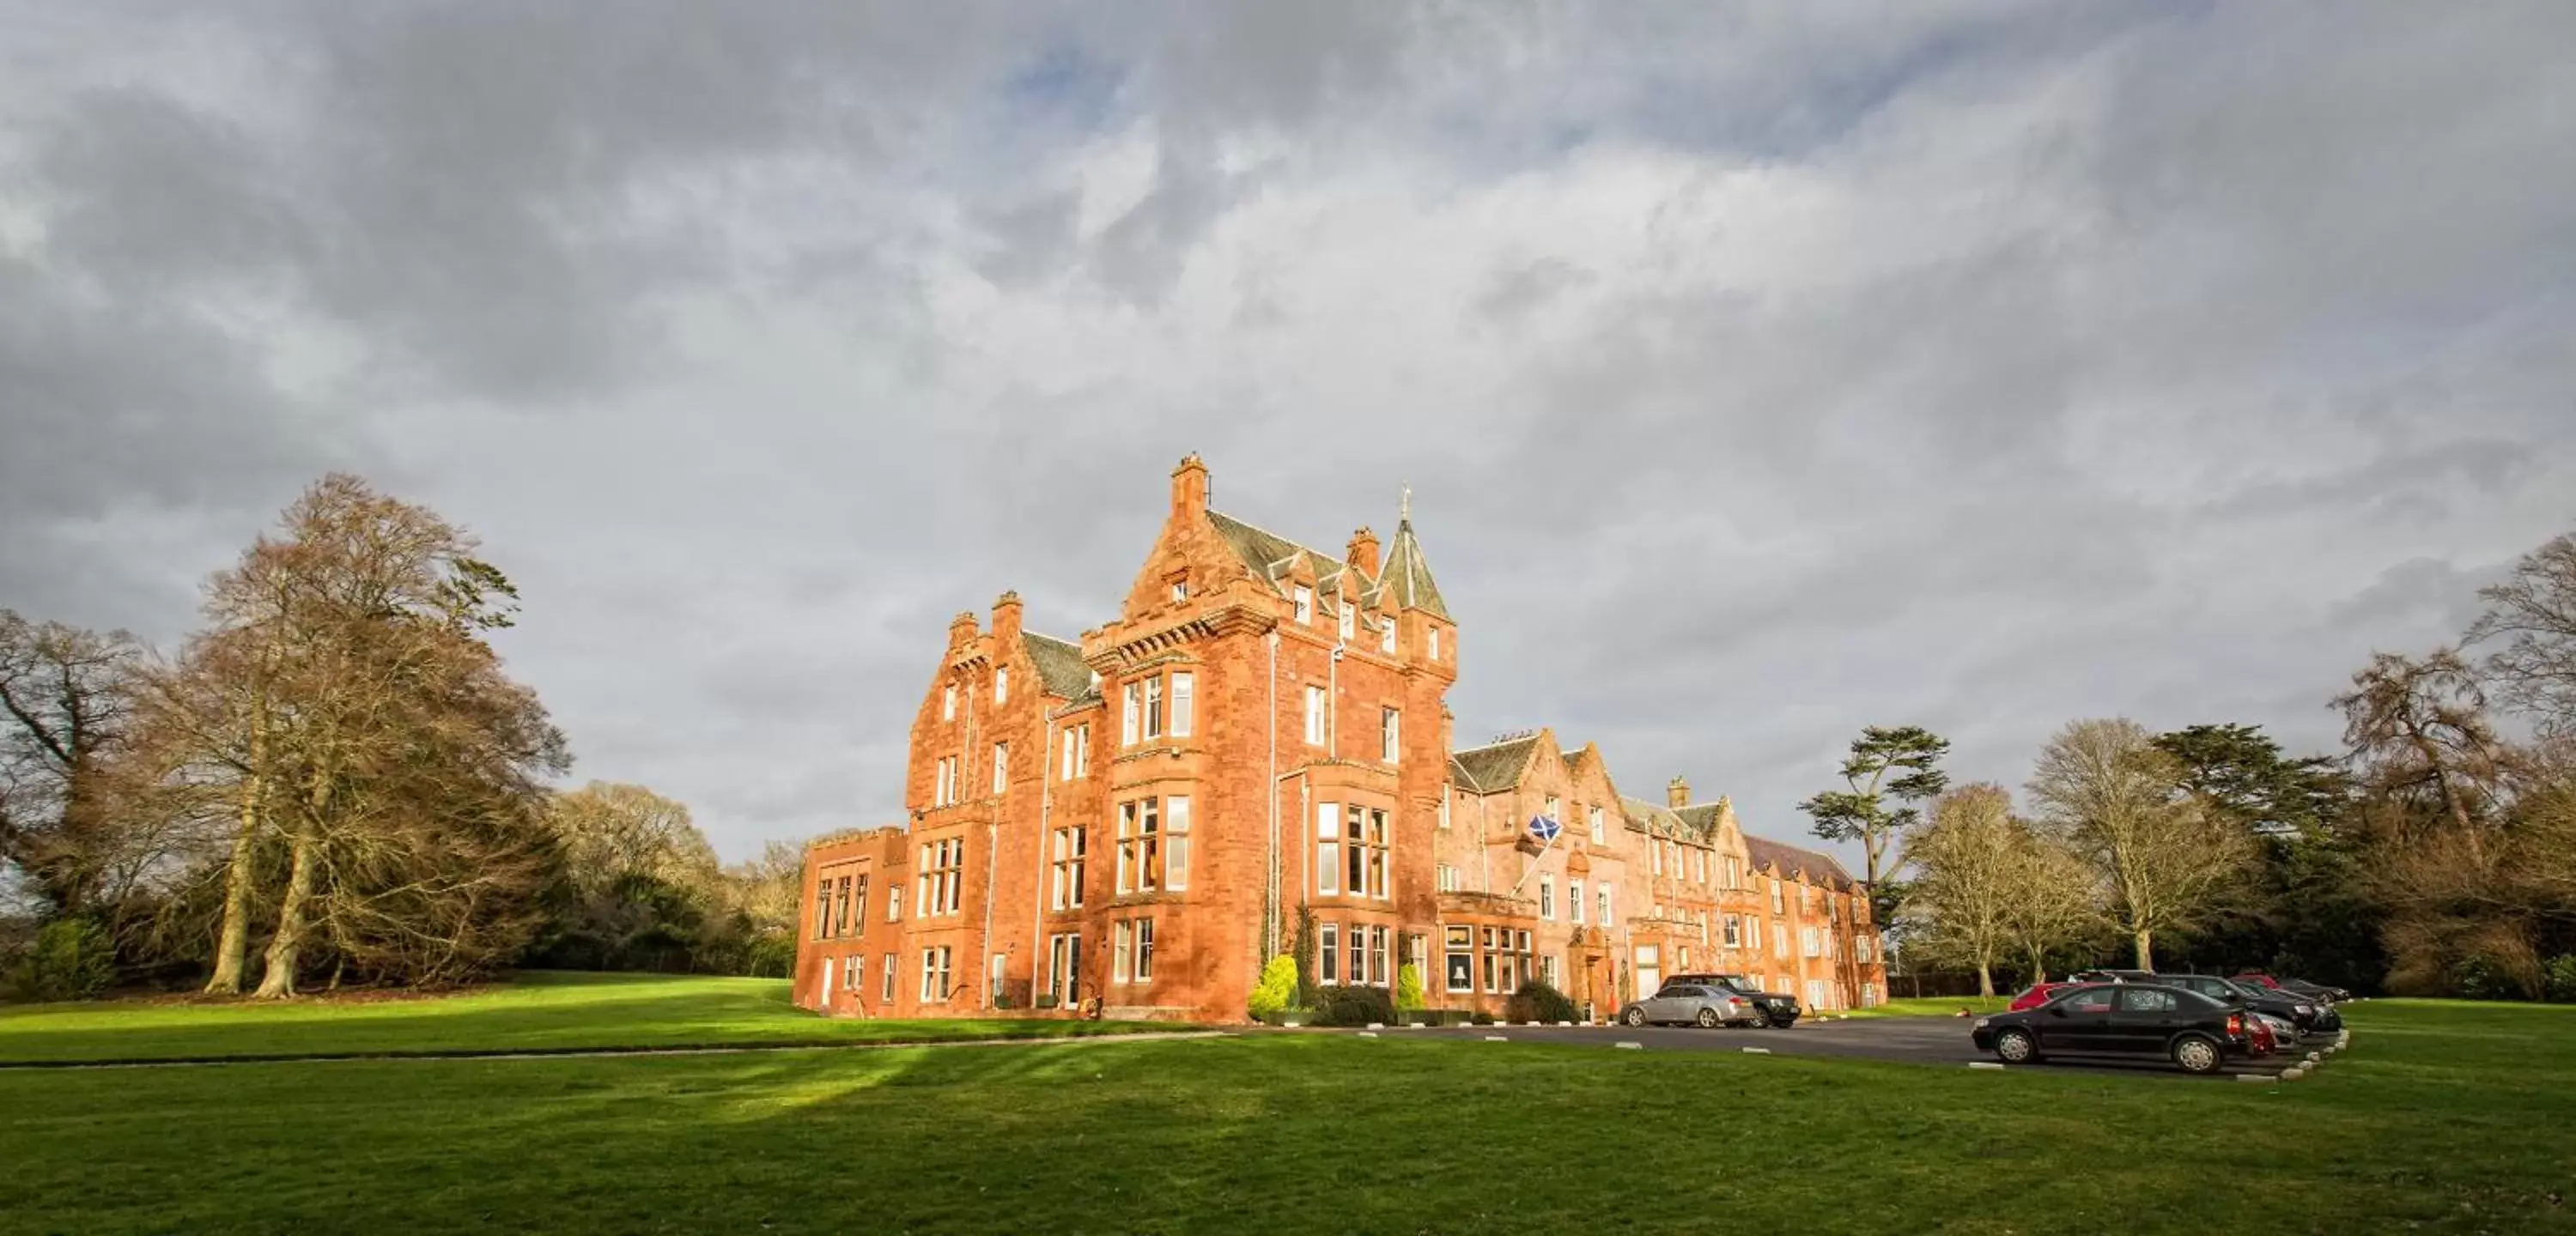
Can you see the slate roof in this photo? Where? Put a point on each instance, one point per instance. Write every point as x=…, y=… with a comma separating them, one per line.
x=1494, y=766
x=1060, y=668
x=1658, y=821
x=1408, y=573
x=1266, y=552
x=1789, y=860
x=1701, y=816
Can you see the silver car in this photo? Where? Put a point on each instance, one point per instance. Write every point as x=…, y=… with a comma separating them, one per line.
x=1692, y=1005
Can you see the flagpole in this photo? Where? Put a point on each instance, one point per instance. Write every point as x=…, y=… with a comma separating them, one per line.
x=1539, y=857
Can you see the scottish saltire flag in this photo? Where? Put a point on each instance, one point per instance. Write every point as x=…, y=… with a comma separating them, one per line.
x=1543, y=828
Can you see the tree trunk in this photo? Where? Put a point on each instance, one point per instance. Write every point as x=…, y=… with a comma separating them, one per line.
x=2146, y=951
x=1985, y=979
x=234, y=945
x=279, y=980
x=2038, y=967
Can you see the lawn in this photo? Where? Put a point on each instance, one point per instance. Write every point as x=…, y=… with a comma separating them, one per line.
x=2441, y=1118
x=1930, y=1006
x=535, y=1012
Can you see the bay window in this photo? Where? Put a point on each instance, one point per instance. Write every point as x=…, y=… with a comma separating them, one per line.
x=1182, y=705
x=1328, y=953
x=1140, y=845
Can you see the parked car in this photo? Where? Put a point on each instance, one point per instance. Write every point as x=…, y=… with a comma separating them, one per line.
x=2037, y=994
x=1693, y=1004
x=2196, y=1033
x=2298, y=1014
x=2317, y=991
x=1779, y=1008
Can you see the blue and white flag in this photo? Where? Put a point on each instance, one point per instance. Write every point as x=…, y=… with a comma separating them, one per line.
x=1543, y=828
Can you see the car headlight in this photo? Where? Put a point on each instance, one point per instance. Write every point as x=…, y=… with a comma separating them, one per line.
x=2307, y=1008
x=1981, y=1023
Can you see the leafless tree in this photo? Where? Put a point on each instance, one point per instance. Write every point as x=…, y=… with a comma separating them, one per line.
x=1967, y=860
x=2105, y=792
x=2530, y=622
x=66, y=698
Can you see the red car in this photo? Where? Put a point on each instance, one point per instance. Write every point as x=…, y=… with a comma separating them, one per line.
x=2256, y=976
x=2039, y=994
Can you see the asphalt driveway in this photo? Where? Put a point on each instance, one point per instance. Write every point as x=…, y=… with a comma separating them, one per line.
x=1938, y=1041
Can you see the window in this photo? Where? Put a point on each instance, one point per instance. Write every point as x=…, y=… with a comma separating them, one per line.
x=1070, y=845
x=1444, y=806
x=1734, y=931
x=1390, y=733
x=1349, y=620
x=1328, y=844
x=854, y=973
x=894, y=901
x=1417, y=949
x=1130, y=713
x=1807, y=946
x=1869, y=995
x=1656, y=847
x=1574, y=898
x=1547, y=971
x=948, y=702
x=1547, y=897
x=1779, y=939
x=1607, y=919
x=1154, y=707
x=1076, y=761
x=1144, y=950
x=885, y=990
x=1364, y=847
x=1328, y=952
x=934, y=974
x=1140, y=845
x=1377, y=957
x=1435, y=643
x=1181, y=589
x=1001, y=767
x=1753, y=933
x=1448, y=878
x=1775, y=895
x=1305, y=603
x=941, y=884
x=1122, y=951
x=859, y=907
x=1861, y=946
x=1386, y=636
x=1176, y=843
x=2147, y=1000
x=841, y=908
x=1815, y=994
x=823, y=908
x=1461, y=962
x=1064, y=967
x=1182, y=705
x=1600, y=827
x=1002, y=685
x=1555, y=808
x=993, y=979
x=1315, y=716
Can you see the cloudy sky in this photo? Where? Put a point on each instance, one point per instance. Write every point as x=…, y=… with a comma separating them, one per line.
x=1761, y=372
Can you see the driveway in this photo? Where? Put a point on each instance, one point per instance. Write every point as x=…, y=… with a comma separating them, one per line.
x=1939, y=1041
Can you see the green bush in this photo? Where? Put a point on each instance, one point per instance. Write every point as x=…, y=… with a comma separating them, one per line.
x=1353, y=1006
x=1408, y=986
x=1537, y=1001
x=1277, y=989
x=1287, y=1017
x=72, y=960
x=2562, y=979
x=2479, y=978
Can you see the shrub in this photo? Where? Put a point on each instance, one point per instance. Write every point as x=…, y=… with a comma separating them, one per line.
x=1408, y=986
x=1537, y=1001
x=72, y=959
x=2479, y=978
x=1305, y=954
x=1277, y=989
x=2562, y=979
x=1352, y=1006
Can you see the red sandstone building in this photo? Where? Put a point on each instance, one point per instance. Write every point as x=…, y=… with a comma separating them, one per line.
x=1136, y=819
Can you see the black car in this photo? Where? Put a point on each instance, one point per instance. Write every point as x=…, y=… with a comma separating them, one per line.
x=2321, y=993
x=2196, y=1033
x=1779, y=1009
x=2299, y=1013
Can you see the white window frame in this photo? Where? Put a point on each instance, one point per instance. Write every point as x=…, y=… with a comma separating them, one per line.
x=1176, y=843
x=1390, y=727
x=1154, y=714
x=1305, y=603
x=948, y=702
x=1328, y=955
x=1574, y=899
x=1328, y=849
x=1144, y=950
x=1547, y=897
x=1002, y=685
x=1315, y=709
x=1131, y=713
x=894, y=901
x=1001, y=767
x=1184, y=703
x=1386, y=636
x=1435, y=644
x=1599, y=821
x=1122, y=940
x=1348, y=621
x=1609, y=907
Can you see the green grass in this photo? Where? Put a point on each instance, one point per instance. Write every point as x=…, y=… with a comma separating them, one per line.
x=535, y=1012
x=1931, y=1006
x=2442, y=1118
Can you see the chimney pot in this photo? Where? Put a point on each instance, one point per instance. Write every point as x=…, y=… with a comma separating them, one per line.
x=1189, y=485
x=1677, y=793
x=1362, y=552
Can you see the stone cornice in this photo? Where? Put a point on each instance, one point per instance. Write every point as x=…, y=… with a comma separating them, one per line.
x=1135, y=647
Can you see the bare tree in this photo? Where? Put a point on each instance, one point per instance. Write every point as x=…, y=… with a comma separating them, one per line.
x=609, y=830
x=2531, y=620
x=66, y=697
x=1966, y=859
x=2422, y=727
x=2106, y=793
x=2056, y=902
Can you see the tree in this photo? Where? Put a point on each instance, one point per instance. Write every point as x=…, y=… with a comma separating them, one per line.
x=2106, y=793
x=2055, y=903
x=2530, y=619
x=66, y=700
x=641, y=886
x=1860, y=811
x=1966, y=859
x=2421, y=727
x=2308, y=907
x=344, y=698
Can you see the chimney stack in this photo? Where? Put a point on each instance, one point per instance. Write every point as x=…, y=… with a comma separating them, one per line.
x=1677, y=793
x=1189, y=485
x=1362, y=552
x=961, y=629
x=1006, y=618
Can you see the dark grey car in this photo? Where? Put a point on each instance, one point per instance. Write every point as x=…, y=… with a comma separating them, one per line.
x=1688, y=1004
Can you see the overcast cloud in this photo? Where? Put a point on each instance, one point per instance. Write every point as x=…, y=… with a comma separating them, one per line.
x=1761, y=372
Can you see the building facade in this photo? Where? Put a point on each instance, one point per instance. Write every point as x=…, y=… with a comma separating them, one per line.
x=1130, y=823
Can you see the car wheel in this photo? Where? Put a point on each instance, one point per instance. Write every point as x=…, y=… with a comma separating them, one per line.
x=2196, y=1054
x=2016, y=1047
x=1636, y=1017
x=1708, y=1019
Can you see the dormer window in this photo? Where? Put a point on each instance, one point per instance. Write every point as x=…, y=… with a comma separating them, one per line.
x=1180, y=588
x=1386, y=637
x=1350, y=618
x=1305, y=603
